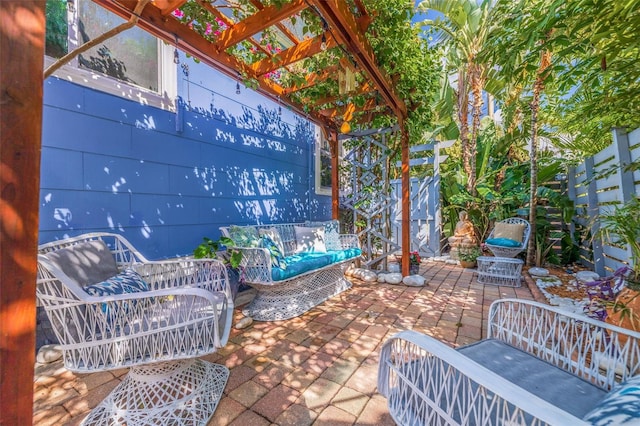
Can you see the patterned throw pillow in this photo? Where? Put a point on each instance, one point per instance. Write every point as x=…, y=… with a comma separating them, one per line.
x=277, y=256
x=621, y=406
x=331, y=233
x=310, y=240
x=274, y=235
x=244, y=236
x=128, y=281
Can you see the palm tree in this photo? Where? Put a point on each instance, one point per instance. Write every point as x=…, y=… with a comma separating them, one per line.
x=464, y=27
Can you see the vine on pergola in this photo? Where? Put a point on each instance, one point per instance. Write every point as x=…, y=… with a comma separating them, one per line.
x=294, y=51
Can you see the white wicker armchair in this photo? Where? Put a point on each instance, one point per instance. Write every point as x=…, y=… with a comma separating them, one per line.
x=500, y=251
x=185, y=313
x=539, y=365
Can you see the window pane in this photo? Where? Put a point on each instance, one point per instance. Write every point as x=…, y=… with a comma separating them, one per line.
x=56, y=35
x=131, y=56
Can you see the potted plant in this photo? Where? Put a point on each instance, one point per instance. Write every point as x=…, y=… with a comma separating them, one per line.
x=468, y=256
x=414, y=262
x=622, y=227
x=224, y=250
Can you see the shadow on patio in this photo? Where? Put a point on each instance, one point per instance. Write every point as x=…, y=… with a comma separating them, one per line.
x=319, y=368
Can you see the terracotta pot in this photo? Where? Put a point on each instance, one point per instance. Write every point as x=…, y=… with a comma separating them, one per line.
x=625, y=311
x=467, y=264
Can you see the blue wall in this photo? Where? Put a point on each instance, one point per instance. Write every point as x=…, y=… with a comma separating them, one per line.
x=165, y=180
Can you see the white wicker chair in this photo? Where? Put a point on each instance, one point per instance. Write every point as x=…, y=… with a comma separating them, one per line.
x=538, y=365
x=500, y=251
x=157, y=333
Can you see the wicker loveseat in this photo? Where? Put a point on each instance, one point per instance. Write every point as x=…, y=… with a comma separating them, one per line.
x=296, y=275
x=538, y=365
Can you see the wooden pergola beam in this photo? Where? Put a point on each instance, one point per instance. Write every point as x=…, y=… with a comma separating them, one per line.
x=22, y=31
x=257, y=22
x=168, y=6
x=363, y=89
x=304, y=49
x=339, y=111
x=313, y=79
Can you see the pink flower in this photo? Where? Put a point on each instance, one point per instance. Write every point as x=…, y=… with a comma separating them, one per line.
x=178, y=13
x=216, y=33
x=209, y=29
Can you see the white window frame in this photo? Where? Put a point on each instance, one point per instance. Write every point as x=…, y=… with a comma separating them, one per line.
x=319, y=139
x=164, y=98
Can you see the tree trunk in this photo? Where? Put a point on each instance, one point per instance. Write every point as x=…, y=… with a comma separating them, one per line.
x=477, y=84
x=538, y=88
x=463, y=120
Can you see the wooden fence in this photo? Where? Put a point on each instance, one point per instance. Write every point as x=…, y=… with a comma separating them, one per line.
x=597, y=186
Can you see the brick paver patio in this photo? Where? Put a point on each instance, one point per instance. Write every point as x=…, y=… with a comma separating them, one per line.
x=316, y=369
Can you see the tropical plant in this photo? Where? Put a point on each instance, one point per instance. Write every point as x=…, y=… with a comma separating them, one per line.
x=469, y=254
x=223, y=249
x=463, y=28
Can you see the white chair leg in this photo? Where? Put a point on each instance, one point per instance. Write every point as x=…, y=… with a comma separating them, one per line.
x=169, y=393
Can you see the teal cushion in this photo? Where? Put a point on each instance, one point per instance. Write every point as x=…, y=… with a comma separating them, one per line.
x=620, y=407
x=244, y=236
x=277, y=257
x=503, y=242
x=304, y=262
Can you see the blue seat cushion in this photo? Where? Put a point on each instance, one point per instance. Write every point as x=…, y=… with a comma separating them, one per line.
x=304, y=262
x=503, y=242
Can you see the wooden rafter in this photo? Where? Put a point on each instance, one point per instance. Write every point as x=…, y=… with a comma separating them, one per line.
x=257, y=22
x=168, y=6
x=362, y=89
x=258, y=4
x=304, y=49
x=313, y=79
x=340, y=110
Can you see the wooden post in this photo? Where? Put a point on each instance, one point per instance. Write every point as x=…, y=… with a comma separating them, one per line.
x=335, y=174
x=22, y=28
x=406, y=198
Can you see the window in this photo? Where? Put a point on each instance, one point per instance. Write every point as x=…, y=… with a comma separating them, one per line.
x=323, y=165
x=134, y=57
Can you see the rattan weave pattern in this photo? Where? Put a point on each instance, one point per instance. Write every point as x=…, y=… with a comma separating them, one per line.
x=187, y=313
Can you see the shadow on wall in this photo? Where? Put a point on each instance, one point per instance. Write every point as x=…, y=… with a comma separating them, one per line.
x=165, y=180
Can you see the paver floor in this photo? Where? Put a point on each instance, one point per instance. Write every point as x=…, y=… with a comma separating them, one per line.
x=316, y=369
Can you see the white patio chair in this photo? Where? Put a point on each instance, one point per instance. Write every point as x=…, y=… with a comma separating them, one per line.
x=539, y=365
x=498, y=232
x=157, y=331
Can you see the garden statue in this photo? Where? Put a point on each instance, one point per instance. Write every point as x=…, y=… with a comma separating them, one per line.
x=464, y=236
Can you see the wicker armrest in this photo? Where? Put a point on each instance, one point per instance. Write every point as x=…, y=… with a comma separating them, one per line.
x=256, y=265
x=209, y=274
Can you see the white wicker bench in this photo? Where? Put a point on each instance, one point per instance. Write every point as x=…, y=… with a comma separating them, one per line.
x=539, y=365
x=291, y=297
